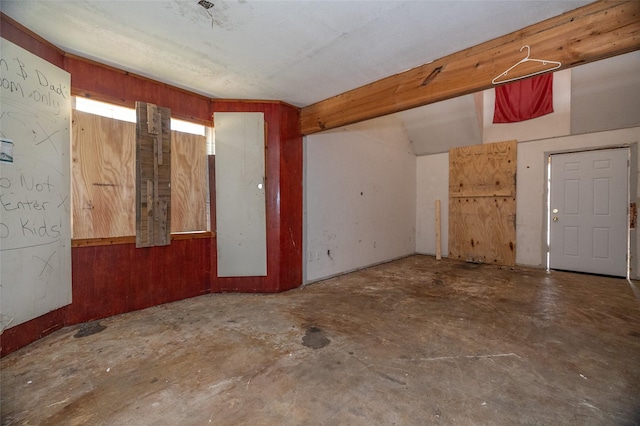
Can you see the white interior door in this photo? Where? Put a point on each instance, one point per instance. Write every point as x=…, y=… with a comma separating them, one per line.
x=589, y=212
x=241, y=229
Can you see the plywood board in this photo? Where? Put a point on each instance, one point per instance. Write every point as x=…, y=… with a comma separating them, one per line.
x=486, y=170
x=153, y=176
x=482, y=203
x=189, y=182
x=482, y=230
x=103, y=173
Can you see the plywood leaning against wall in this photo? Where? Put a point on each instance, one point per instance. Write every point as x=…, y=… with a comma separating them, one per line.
x=153, y=175
x=103, y=169
x=35, y=206
x=482, y=203
x=189, y=182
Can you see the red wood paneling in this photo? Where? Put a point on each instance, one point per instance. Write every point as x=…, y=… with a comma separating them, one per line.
x=290, y=199
x=23, y=37
x=20, y=336
x=271, y=117
x=101, y=82
x=283, y=198
x=110, y=280
x=113, y=279
x=94, y=80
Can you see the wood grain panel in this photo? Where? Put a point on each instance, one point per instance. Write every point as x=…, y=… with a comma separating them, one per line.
x=101, y=82
x=482, y=230
x=103, y=176
x=189, y=185
x=283, y=197
x=20, y=35
x=89, y=242
x=153, y=175
x=482, y=203
x=116, y=277
x=596, y=31
x=290, y=199
x=142, y=278
x=23, y=334
x=272, y=195
x=483, y=170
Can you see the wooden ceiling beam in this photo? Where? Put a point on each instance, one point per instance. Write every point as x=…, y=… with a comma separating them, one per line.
x=593, y=32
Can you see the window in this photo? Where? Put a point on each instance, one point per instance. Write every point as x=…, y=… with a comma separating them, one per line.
x=103, y=172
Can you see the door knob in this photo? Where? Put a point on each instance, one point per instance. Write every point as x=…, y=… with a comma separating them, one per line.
x=555, y=218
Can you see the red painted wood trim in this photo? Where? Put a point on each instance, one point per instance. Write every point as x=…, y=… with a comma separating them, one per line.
x=291, y=203
x=113, y=279
x=22, y=335
x=28, y=40
x=97, y=81
x=268, y=283
x=101, y=82
x=220, y=101
x=86, y=242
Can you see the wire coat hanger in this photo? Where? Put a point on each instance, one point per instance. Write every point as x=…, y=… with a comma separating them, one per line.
x=527, y=59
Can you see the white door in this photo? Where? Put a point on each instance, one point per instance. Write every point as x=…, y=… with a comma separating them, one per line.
x=240, y=194
x=589, y=204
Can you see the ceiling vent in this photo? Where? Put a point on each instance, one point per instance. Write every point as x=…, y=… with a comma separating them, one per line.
x=206, y=4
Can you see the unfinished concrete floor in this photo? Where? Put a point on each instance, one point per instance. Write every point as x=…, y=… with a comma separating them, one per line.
x=415, y=341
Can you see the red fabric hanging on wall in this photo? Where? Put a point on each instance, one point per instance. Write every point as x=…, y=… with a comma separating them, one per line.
x=524, y=99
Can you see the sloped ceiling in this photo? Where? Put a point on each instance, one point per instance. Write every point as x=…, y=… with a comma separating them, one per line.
x=438, y=127
x=605, y=95
x=300, y=52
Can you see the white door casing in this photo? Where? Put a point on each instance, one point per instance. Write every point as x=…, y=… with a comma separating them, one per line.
x=589, y=200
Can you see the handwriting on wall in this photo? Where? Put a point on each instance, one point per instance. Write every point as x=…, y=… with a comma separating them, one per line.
x=32, y=195
x=15, y=74
x=35, y=222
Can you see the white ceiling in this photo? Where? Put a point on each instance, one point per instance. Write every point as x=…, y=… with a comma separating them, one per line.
x=299, y=52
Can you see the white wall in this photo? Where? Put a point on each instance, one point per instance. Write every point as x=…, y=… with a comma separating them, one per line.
x=530, y=198
x=360, y=197
x=605, y=95
x=375, y=158
x=438, y=127
x=558, y=123
x=433, y=170
x=433, y=184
